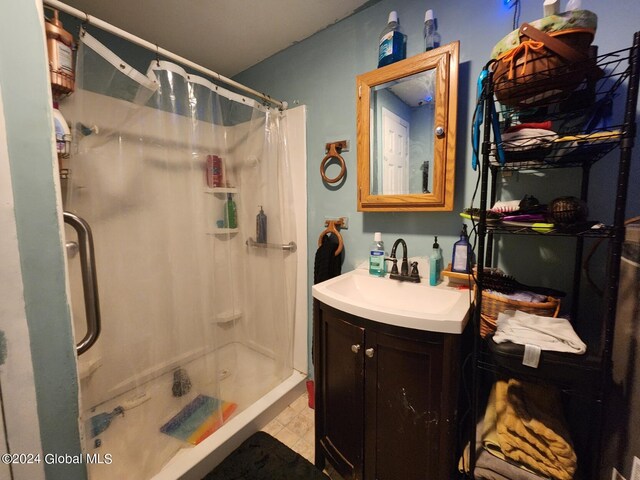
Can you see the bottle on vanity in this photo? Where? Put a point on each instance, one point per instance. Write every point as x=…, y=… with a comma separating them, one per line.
x=377, y=256
x=435, y=264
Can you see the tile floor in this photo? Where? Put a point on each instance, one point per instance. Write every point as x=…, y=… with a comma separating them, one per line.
x=294, y=427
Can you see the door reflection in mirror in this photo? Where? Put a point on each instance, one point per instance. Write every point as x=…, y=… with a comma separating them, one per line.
x=402, y=135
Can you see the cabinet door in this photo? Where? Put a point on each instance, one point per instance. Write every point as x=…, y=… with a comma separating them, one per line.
x=339, y=415
x=403, y=397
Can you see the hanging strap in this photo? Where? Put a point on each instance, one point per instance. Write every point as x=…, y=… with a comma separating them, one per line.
x=557, y=46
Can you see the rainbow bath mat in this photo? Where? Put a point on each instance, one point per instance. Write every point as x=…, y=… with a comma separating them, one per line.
x=199, y=419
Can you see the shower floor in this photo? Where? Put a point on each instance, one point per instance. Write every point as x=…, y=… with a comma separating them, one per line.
x=133, y=446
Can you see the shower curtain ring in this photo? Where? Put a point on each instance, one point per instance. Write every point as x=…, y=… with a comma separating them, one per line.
x=157, y=55
x=85, y=23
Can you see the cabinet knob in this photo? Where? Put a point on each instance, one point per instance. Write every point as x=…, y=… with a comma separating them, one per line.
x=439, y=131
x=369, y=352
x=355, y=348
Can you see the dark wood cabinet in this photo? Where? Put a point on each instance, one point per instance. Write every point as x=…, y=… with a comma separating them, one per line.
x=386, y=398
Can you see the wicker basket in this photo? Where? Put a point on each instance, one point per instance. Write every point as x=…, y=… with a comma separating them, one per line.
x=493, y=304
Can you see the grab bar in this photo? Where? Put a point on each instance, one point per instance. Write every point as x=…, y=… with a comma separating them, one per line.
x=89, y=280
x=289, y=247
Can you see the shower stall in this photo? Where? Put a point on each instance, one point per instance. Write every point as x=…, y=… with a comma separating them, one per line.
x=197, y=320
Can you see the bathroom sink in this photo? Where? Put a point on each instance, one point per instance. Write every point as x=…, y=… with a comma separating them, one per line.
x=404, y=304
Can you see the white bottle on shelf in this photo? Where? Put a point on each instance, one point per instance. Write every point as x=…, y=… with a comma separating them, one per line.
x=431, y=35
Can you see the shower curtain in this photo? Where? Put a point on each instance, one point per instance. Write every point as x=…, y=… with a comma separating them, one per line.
x=195, y=317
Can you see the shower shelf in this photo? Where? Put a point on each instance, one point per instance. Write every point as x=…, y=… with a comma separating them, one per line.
x=224, y=231
x=226, y=317
x=221, y=190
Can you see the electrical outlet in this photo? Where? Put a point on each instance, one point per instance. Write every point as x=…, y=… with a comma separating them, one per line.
x=615, y=475
x=635, y=469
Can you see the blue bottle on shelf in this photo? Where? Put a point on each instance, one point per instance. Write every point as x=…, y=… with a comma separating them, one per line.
x=393, y=44
x=462, y=259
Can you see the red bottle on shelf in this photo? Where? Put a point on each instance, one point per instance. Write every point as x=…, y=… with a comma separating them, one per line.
x=214, y=171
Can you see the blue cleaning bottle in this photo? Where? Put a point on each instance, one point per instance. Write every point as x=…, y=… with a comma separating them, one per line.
x=462, y=259
x=393, y=44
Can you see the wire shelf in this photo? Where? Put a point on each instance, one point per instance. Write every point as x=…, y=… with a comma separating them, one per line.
x=576, y=132
x=569, y=231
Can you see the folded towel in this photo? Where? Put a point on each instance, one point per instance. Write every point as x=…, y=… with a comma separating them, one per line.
x=548, y=333
x=491, y=463
x=530, y=429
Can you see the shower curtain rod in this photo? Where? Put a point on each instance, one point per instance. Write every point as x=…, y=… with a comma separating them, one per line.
x=159, y=50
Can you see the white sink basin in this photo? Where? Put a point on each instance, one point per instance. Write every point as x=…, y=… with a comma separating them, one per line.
x=413, y=305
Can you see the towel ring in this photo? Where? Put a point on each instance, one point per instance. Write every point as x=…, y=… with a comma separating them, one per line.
x=331, y=228
x=334, y=152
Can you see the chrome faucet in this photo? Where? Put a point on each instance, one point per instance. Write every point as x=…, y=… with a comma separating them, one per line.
x=404, y=268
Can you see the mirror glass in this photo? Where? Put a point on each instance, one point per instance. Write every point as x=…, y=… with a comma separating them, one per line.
x=402, y=135
x=406, y=121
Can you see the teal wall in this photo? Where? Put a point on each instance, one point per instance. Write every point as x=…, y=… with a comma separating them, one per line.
x=27, y=110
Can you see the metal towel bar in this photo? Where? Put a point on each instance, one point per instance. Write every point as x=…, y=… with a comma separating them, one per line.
x=289, y=247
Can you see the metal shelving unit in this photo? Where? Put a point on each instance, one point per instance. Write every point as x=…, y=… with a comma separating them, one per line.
x=579, y=142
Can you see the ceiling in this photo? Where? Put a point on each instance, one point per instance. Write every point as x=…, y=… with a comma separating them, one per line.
x=227, y=36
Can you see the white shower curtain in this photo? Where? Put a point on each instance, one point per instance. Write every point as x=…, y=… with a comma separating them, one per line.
x=190, y=309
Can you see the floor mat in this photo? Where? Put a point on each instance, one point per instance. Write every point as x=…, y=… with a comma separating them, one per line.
x=199, y=419
x=262, y=457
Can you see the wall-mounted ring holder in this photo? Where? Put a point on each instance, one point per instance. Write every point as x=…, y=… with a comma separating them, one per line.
x=334, y=150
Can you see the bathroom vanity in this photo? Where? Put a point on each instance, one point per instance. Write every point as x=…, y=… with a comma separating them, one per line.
x=386, y=395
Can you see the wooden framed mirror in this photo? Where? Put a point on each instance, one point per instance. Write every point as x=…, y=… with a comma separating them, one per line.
x=406, y=123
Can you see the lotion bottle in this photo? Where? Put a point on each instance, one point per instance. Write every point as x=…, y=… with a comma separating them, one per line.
x=462, y=255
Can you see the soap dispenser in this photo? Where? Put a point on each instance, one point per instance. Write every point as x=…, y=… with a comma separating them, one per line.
x=462, y=254
x=435, y=264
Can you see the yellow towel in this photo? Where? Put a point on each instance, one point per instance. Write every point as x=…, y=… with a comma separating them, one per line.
x=530, y=430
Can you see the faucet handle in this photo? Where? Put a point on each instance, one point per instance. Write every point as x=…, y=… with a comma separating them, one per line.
x=414, y=269
x=404, y=269
x=394, y=267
